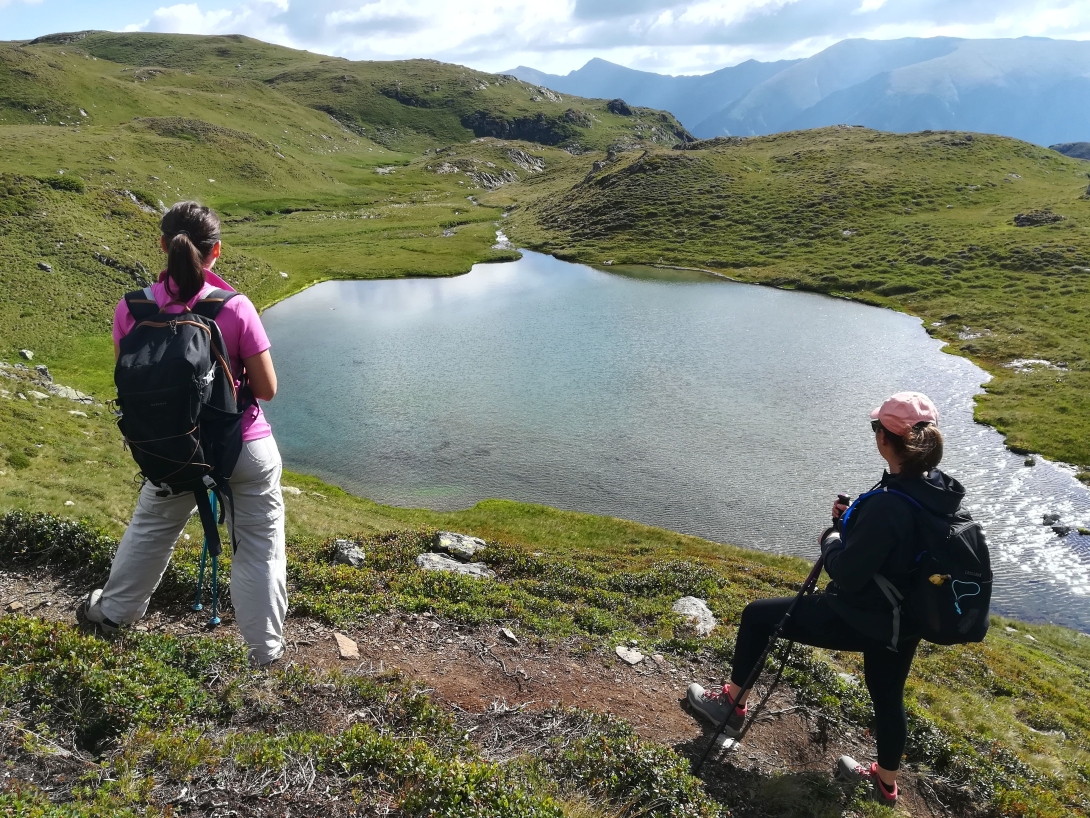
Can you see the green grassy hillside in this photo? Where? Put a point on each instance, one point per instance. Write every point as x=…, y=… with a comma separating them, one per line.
x=922, y=222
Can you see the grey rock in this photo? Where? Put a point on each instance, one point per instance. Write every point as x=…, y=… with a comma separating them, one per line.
x=461, y=546
x=348, y=552
x=26, y=354
x=45, y=268
x=1050, y=519
x=696, y=611
x=292, y=490
x=33, y=393
x=1062, y=530
x=509, y=635
x=441, y=562
x=69, y=393
x=77, y=413
x=43, y=373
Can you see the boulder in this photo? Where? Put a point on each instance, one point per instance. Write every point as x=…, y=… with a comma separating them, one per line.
x=697, y=612
x=348, y=552
x=441, y=562
x=1050, y=519
x=1061, y=530
x=26, y=354
x=43, y=373
x=461, y=546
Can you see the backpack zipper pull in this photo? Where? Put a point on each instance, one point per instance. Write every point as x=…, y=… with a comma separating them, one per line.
x=173, y=327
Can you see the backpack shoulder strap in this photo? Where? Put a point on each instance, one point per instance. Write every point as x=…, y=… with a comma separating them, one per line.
x=211, y=304
x=141, y=304
x=884, y=490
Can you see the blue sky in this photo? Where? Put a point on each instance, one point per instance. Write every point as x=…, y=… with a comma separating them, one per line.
x=668, y=36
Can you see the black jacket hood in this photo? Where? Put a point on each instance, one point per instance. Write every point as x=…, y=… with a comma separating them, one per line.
x=936, y=491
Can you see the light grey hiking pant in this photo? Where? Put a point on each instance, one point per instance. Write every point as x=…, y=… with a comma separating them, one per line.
x=259, y=591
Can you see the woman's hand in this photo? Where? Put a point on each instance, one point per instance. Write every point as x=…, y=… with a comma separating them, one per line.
x=262, y=376
x=839, y=507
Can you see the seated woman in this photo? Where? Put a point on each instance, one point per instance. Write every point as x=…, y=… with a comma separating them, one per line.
x=854, y=613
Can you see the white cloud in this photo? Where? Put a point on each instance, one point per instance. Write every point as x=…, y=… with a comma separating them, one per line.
x=669, y=36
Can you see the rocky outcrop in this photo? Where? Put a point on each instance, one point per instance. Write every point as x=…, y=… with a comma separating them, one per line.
x=530, y=164
x=1036, y=218
x=540, y=128
x=619, y=107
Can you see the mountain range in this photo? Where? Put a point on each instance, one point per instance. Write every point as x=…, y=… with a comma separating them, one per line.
x=1031, y=88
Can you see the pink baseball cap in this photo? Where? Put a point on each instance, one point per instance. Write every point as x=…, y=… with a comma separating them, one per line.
x=904, y=410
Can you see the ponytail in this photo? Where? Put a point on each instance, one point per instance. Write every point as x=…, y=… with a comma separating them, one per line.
x=920, y=449
x=185, y=267
x=191, y=232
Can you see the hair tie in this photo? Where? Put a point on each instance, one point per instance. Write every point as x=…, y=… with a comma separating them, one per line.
x=183, y=233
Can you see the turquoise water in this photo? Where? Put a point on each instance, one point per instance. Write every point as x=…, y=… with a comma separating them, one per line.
x=729, y=411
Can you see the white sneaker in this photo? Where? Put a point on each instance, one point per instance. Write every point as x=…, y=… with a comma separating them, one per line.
x=90, y=613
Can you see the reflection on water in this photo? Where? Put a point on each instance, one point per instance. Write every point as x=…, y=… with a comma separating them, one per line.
x=728, y=411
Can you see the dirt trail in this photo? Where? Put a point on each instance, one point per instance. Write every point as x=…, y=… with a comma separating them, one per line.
x=479, y=671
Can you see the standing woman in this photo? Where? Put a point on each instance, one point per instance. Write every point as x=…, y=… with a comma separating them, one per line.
x=855, y=613
x=191, y=241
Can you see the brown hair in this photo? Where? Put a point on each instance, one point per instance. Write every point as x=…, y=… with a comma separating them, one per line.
x=920, y=449
x=191, y=231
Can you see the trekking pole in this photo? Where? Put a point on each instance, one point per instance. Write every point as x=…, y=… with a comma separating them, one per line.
x=215, y=618
x=754, y=674
x=807, y=586
x=197, y=606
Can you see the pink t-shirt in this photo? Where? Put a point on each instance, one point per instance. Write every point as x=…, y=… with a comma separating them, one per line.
x=239, y=324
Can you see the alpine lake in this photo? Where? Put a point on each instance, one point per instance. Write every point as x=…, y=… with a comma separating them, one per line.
x=729, y=411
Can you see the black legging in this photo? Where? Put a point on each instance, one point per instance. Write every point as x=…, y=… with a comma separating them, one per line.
x=815, y=623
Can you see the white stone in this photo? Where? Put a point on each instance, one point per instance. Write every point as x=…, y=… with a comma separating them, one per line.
x=441, y=562
x=629, y=655
x=37, y=395
x=346, y=648
x=26, y=354
x=696, y=611
x=283, y=274
x=292, y=490
x=77, y=413
x=348, y=552
x=69, y=503
x=509, y=635
x=461, y=546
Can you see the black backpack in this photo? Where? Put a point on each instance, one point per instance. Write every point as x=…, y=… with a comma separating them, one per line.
x=951, y=591
x=180, y=412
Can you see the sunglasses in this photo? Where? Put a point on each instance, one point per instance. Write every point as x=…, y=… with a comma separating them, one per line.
x=875, y=425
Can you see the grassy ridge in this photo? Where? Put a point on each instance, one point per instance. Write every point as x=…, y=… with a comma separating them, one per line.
x=921, y=222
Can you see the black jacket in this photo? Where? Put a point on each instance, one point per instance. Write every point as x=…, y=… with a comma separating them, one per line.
x=885, y=535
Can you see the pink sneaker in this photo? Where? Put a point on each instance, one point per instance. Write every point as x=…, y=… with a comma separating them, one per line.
x=848, y=769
